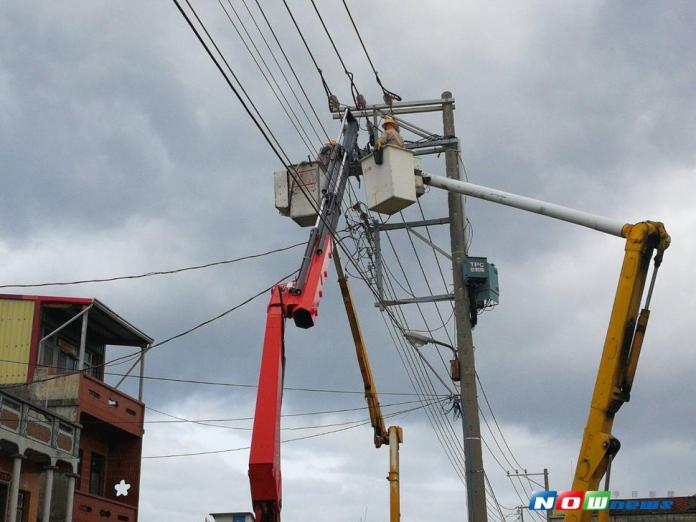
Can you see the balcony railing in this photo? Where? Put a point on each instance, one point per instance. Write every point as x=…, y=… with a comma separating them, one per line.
x=111, y=405
x=37, y=424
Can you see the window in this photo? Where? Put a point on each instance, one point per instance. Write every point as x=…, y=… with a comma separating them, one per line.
x=22, y=503
x=60, y=353
x=22, y=506
x=4, y=489
x=94, y=363
x=97, y=467
x=67, y=354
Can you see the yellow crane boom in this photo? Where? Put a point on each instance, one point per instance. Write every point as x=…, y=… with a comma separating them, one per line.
x=392, y=436
x=626, y=331
x=619, y=359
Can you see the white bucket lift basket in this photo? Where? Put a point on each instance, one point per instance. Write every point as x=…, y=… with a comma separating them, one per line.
x=290, y=199
x=391, y=186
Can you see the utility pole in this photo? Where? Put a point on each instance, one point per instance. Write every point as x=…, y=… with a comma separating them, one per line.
x=448, y=143
x=473, y=459
x=526, y=475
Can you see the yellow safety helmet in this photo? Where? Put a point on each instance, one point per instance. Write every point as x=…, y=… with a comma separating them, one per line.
x=390, y=121
x=331, y=142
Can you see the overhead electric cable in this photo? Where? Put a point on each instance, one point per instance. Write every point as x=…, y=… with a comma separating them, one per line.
x=292, y=69
x=267, y=134
x=232, y=73
x=421, y=381
x=294, y=439
x=332, y=100
x=419, y=377
x=214, y=383
x=221, y=315
x=127, y=358
x=282, y=72
x=156, y=273
x=388, y=95
x=277, y=150
x=495, y=420
x=226, y=419
x=209, y=424
x=416, y=374
x=268, y=76
x=357, y=97
x=430, y=290
x=495, y=499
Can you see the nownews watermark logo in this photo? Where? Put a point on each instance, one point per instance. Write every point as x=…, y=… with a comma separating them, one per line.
x=592, y=501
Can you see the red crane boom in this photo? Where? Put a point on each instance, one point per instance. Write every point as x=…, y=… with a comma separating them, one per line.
x=298, y=300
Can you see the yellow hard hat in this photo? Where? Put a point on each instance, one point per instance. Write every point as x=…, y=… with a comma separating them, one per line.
x=390, y=121
x=331, y=142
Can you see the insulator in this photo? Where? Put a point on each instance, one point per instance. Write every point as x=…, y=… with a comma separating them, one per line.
x=334, y=105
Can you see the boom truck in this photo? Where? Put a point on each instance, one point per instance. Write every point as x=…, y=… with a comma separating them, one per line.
x=300, y=300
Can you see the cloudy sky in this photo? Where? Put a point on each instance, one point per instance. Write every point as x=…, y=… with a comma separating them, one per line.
x=123, y=151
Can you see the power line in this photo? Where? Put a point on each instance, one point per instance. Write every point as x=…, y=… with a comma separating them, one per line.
x=277, y=91
x=292, y=69
x=155, y=273
x=418, y=377
x=495, y=420
x=233, y=419
x=357, y=97
x=430, y=290
x=219, y=316
x=420, y=380
x=286, y=428
x=127, y=358
x=415, y=373
x=450, y=441
x=282, y=72
x=388, y=95
x=207, y=383
x=333, y=100
x=267, y=134
x=294, y=439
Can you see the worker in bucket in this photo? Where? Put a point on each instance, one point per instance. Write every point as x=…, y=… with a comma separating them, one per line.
x=390, y=133
x=325, y=153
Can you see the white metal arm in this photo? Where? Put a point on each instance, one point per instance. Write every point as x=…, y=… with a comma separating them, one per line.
x=585, y=219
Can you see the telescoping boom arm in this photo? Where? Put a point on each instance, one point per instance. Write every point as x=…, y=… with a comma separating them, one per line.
x=300, y=301
x=624, y=339
x=392, y=436
x=376, y=418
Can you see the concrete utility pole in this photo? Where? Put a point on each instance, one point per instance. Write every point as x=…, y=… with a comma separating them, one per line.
x=473, y=460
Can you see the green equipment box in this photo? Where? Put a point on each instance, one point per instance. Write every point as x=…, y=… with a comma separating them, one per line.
x=482, y=279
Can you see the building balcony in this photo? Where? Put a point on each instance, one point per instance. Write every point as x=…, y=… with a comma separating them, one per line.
x=80, y=393
x=38, y=430
x=110, y=405
x=91, y=508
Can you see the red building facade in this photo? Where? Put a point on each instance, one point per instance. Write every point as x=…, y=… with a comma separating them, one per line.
x=52, y=361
